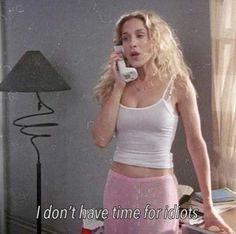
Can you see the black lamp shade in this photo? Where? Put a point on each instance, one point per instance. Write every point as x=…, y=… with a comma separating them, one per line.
x=33, y=73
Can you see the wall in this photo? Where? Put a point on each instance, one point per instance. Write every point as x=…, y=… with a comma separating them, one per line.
x=76, y=37
x=2, y=173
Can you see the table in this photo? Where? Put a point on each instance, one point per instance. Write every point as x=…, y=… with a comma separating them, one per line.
x=230, y=218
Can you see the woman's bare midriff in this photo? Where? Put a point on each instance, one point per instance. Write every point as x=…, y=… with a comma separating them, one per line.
x=139, y=172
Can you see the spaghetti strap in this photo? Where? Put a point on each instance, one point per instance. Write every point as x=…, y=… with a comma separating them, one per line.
x=168, y=90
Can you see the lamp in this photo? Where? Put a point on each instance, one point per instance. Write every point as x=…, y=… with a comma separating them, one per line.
x=33, y=73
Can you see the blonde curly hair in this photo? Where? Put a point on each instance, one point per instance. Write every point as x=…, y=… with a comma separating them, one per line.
x=167, y=58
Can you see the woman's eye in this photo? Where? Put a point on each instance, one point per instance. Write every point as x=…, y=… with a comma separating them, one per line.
x=140, y=35
x=124, y=38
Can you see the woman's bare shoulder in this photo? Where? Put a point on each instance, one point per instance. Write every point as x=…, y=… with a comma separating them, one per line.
x=184, y=90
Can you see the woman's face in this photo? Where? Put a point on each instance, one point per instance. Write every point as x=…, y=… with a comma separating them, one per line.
x=136, y=42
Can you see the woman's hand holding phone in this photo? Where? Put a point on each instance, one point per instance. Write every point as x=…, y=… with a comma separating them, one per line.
x=116, y=56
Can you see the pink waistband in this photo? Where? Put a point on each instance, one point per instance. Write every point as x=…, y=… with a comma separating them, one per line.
x=116, y=175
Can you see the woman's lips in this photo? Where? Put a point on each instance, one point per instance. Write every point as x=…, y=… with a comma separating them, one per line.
x=134, y=54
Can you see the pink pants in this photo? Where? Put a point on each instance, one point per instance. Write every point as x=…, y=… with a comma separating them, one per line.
x=140, y=205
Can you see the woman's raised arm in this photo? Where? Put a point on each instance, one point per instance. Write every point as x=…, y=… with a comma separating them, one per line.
x=105, y=121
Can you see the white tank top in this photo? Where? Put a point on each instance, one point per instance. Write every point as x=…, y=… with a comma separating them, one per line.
x=145, y=135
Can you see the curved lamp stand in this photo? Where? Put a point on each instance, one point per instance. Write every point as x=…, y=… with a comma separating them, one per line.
x=34, y=73
x=23, y=130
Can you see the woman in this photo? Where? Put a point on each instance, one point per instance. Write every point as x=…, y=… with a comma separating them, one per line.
x=144, y=114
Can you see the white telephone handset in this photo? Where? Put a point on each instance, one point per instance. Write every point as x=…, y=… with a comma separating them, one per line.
x=129, y=73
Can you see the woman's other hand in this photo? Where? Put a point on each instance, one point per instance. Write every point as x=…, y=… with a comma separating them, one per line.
x=213, y=219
